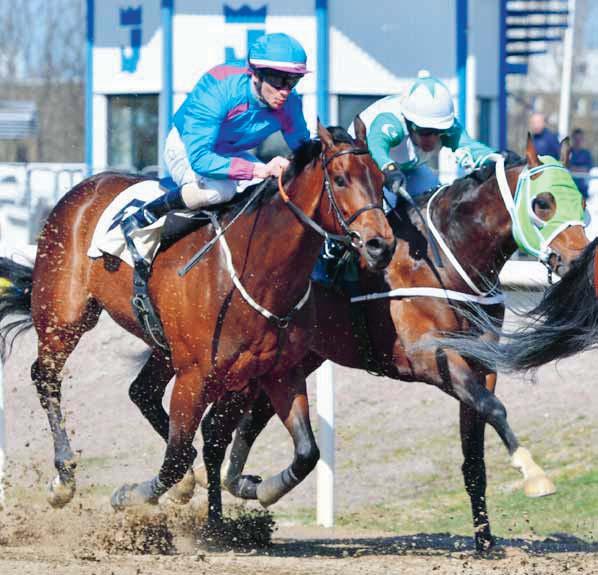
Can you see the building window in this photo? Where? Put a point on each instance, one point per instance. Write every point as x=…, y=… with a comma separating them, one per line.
x=133, y=132
x=350, y=106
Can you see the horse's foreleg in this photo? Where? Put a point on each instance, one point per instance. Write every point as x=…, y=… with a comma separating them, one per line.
x=470, y=390
x=253, y=421
x=147, y=392
x=289, y=398
x=187, y=405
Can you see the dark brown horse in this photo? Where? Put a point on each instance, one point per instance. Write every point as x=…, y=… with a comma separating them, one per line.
x=218, y=341
x=473, y=221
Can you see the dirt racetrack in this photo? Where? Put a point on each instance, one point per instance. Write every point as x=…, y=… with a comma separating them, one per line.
x=401, y=507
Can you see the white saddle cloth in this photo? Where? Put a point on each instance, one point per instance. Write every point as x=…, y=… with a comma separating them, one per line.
x=108, y=236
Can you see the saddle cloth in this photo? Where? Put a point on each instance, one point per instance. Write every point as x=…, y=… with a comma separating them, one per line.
x=108, y=236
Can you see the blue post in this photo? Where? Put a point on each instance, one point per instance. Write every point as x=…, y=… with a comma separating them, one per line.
x=167, y=83
x=462, y=49
x=89, y=41
x=322, y=89
x=502, y=77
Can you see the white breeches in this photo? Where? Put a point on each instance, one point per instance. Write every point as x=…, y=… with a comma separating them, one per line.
x=198, y=191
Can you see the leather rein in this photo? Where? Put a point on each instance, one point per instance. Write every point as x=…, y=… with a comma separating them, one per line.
x=350, y=237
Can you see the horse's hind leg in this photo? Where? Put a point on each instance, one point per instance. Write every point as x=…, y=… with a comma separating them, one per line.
x=56, y=343
x=147, y=390
x=472, y=428
x=289, y=398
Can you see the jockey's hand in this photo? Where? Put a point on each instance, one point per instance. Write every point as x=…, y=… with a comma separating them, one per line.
x=394, y=179
x=274, y=167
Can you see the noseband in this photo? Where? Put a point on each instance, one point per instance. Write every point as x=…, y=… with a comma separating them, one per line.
x=350, y=237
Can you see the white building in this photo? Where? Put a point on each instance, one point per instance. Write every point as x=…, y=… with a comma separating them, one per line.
x=145, y=55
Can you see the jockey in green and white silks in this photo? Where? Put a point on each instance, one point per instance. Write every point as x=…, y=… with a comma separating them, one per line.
x=405, y=132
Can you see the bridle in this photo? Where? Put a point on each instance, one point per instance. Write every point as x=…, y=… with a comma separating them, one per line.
x=350, y=237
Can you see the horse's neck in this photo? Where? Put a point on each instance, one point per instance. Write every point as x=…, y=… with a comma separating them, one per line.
x=478, y=230
x=274, y=251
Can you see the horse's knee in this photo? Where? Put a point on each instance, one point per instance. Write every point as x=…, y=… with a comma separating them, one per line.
x=306, y=457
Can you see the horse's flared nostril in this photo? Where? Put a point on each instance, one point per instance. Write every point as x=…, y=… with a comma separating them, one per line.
x=379, y=251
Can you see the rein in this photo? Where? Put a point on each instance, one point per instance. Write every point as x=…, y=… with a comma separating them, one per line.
x=350, y=237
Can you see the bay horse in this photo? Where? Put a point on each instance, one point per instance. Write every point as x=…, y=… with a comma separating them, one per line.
x=474, y=224
x=219, y=337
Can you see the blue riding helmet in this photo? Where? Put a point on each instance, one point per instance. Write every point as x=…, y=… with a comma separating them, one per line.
x=278, y=52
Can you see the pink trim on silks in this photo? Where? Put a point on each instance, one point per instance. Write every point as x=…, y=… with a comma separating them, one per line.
x=223, y=71
x=237, y=110
x=240, y=169
x=290, y=67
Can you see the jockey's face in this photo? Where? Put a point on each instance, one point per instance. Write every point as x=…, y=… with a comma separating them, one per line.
x=425, y=138
x=274, y=89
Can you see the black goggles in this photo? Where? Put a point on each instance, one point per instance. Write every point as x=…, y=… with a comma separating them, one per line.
x=425, y=131
x=281, y=81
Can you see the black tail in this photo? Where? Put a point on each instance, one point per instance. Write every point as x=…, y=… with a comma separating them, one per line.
x=564, y=323
x=15, y=300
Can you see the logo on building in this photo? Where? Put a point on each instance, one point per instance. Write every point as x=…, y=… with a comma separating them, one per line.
x=252, y=20
x=130, y=20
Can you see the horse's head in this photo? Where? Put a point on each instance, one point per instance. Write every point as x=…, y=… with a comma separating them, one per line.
x=555, y=208
x=352, y=203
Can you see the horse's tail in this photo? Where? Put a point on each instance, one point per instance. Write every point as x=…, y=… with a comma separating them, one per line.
x=564, y=323
x=16, y=281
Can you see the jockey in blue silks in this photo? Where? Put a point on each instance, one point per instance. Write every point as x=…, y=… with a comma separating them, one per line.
x=231, y=110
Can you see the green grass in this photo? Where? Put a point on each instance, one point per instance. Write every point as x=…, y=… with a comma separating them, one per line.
x=572, y=510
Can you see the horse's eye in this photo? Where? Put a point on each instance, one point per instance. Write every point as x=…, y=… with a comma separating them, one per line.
x=541, y=204
x=339, y=181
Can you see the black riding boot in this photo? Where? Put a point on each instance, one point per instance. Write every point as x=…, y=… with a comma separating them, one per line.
x=153, y=210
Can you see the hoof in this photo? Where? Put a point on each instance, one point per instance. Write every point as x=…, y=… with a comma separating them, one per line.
x=484, y=543
x=60, y=493
x=539, y=486
x=201, y=476
x=131, y=495
x=182, y=492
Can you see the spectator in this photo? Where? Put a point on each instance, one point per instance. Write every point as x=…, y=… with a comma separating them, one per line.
x=546, y=142
x=580, y=162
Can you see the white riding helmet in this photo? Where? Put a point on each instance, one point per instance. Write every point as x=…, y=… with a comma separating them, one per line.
x=428, y=103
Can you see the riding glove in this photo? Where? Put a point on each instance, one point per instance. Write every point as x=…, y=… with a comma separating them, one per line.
x=394, y=179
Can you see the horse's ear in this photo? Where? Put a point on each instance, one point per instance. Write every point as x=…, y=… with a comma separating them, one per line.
x=530, y=153
x=360, y=131
x=325, y=136
x=565, y=151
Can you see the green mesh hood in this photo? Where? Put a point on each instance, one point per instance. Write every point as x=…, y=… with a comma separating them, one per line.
x=531, y=234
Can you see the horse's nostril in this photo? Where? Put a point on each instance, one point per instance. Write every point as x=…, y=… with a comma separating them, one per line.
x=375, y=246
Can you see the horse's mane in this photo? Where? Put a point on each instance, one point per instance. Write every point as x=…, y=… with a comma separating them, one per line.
x=303, y=156
x=461, y=186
